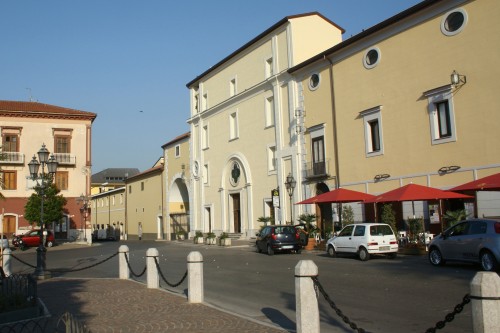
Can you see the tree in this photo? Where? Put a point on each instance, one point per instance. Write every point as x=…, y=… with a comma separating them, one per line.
x=347, y=215
x=389, y=217
x=52, y=206
x=454, y=216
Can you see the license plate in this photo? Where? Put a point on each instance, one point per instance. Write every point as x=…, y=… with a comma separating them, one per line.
x=288, y=246
x=384, y=248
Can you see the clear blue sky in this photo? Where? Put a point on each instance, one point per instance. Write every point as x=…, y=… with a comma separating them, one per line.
x=119, y=57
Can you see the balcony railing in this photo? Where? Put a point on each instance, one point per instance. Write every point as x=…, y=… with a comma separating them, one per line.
x=9, y=157
x=65, y=159
x=318, y=169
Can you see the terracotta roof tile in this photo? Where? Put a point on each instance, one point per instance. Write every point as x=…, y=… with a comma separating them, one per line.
x=40, y=109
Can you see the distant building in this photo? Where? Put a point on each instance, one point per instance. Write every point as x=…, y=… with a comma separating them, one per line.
x=111, y=178
x=67, y=134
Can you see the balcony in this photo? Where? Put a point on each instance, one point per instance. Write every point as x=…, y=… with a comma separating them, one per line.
x=10, y=157
x=65, y=159
x=318, y=169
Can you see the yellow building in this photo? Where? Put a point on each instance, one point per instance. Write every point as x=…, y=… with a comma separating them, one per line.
x=243, y=129
x=108, y=214
x=177, y=176
x=411, y=100
x=67, y=135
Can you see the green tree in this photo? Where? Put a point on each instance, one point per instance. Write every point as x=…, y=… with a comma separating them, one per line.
x=347, y=215
x=52, y=206
x=454, y=216
x=308, y=219
x=389, y=217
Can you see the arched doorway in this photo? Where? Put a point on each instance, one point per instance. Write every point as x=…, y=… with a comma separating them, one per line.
x=178, y=209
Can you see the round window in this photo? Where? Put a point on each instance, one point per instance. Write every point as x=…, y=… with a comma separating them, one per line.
x=453, y=22
x=314, y=81
x=371, y=58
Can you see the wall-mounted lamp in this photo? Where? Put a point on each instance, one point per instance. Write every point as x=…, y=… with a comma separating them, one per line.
x=457, y=79
x=448, y=169
x=381, y=176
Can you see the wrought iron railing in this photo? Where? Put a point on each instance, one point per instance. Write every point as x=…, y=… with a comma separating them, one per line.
x=318, y=169
x=11, y=157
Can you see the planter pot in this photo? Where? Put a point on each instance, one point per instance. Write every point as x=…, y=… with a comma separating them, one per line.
x=198, y=240
x=180, y=237
x=225, y=242
x=311, y=244
x=210, y=241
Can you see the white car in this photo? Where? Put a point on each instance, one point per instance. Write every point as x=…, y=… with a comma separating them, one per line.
x=364, y=239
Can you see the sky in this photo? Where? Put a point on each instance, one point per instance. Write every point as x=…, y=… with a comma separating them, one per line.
x=129, y=61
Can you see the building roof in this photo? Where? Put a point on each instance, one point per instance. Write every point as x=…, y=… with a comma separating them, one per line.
x=114, y=175
x=256, y=39
x=177, y=139
x=366, y=33
x=146, y=172
x=41, y=110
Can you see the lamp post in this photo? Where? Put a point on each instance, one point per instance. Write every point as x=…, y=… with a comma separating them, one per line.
x=84, y=201
x=34, y=166
x=290, y=187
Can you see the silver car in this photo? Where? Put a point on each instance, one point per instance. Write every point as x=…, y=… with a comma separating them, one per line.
x=475, y=240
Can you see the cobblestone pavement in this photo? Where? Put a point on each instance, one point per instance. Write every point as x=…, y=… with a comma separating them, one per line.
x=114, y=305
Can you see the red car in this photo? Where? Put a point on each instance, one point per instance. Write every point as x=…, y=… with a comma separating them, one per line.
x=32, y=238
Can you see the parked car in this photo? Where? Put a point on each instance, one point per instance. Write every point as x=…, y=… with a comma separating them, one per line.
x=274, y=238
x=364, y=239
x=475, y=241
x=32, y=238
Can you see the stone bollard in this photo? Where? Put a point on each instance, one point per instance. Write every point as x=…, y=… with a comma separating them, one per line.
x=195, y=277
x=485, y=296
x=7, y=269
x=152, y=270
x=306, y=303
x=123, y=267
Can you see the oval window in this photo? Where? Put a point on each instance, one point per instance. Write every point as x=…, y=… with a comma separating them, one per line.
x=453, y=22
x=314, y=81
x=371, y=58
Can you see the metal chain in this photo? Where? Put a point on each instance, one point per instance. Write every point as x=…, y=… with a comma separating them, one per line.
x=346, y=320
x=22, y=261
x=163, y=277
x=83, y=268
x=450, y=316
x=130, y=268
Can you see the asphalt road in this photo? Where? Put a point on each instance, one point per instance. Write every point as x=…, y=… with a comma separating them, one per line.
x=406, y=294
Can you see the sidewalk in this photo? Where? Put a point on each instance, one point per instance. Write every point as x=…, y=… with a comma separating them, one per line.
x=114, y=305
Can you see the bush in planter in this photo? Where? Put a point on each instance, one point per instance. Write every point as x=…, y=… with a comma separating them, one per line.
x=198, y=237
x=224, y=239
x=211, y=237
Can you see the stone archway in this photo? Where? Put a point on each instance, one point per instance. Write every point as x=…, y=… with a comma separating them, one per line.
x=178, y=210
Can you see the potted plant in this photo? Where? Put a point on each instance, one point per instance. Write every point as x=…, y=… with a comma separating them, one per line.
x=308, y=231
x=211, y=238
x=198, y=237
x=224, y=239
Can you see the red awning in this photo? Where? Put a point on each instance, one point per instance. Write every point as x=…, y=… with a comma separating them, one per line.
x=339, y=195
x=414, y=192
x=489, y=183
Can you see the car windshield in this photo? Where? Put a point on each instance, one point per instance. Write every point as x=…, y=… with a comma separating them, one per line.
x=380, y=230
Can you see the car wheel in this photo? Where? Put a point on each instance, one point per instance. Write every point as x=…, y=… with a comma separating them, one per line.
x=363, y=254
x=435, y=257
x=299, y=251
x=270, y=250
x=258, y=249
x=488, y=261
x=331, y=252
x=392, y=255
x=50, y=244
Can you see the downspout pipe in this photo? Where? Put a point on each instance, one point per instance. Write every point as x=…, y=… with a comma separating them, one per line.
x=334, y=122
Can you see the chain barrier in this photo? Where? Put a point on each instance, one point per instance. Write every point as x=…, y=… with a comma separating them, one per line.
x=83, y=268
x=132, y=271
x=22, y=261
x=172, y=285
x=450, y=316
x=346, y=320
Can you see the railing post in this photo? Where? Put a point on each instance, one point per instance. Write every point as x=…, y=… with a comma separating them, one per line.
x=485, y=296
x=6, y=261
x=195, y=277
x=124, y=270
x=153, y=276
x=306, y=303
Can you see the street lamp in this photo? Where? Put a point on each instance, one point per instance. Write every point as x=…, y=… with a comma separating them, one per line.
x=290, y=187
x=34, y=166
x=84, y=201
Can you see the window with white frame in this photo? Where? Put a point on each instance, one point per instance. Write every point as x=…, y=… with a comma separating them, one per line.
x=372, y=123
x=269, y=67
x=233, y=126
x=177, y=151
x=441, y=115
x=271, y=158
x=204, y=137
x=269, y=110
x=232, y=87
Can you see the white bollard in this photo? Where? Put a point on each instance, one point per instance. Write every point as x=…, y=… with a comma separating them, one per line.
x=195, y=277
x=123, y=267
x=485, y=296
x=306, y=303
x=7, y=261
x=152, y=271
